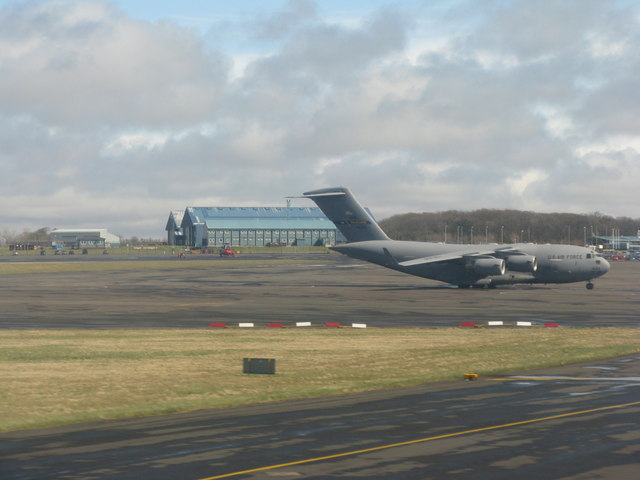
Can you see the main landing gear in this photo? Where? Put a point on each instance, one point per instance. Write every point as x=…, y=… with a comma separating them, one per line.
x=589, y=286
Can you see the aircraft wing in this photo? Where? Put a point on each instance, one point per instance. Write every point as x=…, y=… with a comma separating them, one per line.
x=456, y=255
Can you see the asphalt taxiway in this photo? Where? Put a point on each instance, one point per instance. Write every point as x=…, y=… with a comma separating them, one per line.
x=320, y=288
x=571, y=422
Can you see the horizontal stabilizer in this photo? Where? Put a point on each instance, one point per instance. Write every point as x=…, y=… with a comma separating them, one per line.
x=327, y=194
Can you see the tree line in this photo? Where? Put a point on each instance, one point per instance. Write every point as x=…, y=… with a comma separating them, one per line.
x=35, y=237
x=506, y=226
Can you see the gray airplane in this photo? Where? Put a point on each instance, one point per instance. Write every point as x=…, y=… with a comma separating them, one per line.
x=484, y=265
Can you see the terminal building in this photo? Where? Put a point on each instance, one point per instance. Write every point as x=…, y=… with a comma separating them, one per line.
x=617, y=242
x=203, y=227
x=83, y=238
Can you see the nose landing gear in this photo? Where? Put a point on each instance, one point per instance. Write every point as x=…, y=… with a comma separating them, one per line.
x=589, y=286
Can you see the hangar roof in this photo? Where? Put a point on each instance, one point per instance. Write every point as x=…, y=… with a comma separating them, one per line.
x=258, y=217
x=175, y=219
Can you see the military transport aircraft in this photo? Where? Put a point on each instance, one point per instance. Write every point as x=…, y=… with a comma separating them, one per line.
x=482, y=265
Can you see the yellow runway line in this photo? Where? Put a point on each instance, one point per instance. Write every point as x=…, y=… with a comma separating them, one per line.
x=421, y=440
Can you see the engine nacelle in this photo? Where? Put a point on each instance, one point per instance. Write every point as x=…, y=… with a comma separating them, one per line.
x=489, y=266
x=522, y=263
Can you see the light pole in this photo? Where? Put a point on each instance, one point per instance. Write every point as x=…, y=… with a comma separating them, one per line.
x=502, y=234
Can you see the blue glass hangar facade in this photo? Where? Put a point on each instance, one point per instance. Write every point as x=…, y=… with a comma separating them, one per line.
x=252, y=226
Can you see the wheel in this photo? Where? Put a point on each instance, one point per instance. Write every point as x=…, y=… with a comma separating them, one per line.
x=589, y=286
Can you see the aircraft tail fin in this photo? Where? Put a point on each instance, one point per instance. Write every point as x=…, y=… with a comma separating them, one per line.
x=341, y=207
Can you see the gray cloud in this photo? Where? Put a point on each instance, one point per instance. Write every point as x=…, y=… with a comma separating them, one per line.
x=87, y=65
x=114, y=121
x=533, y=31
x=282, y=23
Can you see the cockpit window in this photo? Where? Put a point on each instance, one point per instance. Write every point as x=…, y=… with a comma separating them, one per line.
x=588, y=255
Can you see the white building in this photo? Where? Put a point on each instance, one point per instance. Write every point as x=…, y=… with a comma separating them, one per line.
x=84, y=238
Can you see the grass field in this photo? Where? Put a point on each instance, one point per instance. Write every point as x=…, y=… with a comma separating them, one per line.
x=53, y=377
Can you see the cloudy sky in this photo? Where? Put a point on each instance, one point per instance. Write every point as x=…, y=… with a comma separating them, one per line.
x=113, y=113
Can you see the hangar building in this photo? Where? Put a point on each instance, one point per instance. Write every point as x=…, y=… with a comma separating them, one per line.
x=251, y=226
x=84, y=238
x=174, y=228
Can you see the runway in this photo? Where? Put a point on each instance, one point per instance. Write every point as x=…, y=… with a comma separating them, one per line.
x=320, y=288
x=571, y=422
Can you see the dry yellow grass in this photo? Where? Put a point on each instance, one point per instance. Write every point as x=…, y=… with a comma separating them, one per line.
x=54, y=377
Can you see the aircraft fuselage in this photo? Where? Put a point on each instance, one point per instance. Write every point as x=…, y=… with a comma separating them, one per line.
x=555, y=263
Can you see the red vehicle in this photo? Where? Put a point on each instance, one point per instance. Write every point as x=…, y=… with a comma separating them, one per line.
x=227, y=251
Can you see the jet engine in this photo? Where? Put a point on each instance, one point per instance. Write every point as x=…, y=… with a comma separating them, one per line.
x=522, y=263
x=489, y=266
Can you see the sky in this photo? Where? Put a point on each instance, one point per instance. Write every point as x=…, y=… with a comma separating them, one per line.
x=114, y=113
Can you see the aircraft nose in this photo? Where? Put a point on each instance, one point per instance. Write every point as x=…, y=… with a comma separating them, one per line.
x=604, y=265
